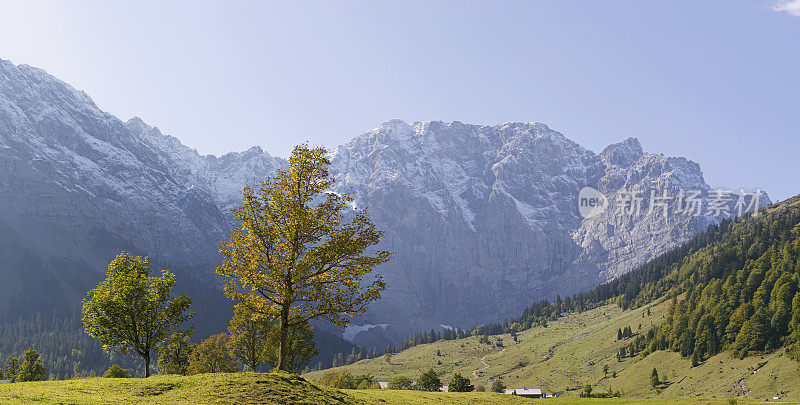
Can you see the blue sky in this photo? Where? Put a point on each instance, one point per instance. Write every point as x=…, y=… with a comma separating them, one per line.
x=715, y=81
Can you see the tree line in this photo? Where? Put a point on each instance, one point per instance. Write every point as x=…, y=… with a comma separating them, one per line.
x=428, y=381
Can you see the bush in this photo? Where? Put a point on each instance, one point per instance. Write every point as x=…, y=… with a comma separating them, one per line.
x=212, y=356
x=460, y=384
x=400, y=382
x=429, y=381
x=344, y=380
x=498, y=386
x=173, y=356
x=115, y=371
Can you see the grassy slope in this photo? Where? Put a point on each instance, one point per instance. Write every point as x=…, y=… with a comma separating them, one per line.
x=422, y=398
x=239, y=388
x=251, y=388
x=224, y=388
x=572, y=351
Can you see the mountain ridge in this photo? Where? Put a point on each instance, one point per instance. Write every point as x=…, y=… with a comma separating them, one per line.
x=483, y=218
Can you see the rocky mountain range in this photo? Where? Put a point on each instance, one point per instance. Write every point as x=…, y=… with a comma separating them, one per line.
x=483, y=219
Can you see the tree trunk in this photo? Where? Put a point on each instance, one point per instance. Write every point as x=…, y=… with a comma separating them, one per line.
x=282, y=350
x=146, y=365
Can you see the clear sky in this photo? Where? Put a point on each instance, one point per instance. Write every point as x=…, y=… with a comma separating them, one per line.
x=715, y=81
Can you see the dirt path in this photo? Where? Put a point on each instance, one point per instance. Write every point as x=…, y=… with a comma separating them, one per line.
x=485, y=364
x=552, y=350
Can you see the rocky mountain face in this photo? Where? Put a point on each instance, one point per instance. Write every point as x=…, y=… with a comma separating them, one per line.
x=483, y=219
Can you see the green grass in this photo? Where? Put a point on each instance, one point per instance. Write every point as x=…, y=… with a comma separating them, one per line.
x=223, y=388
x=420, y=398
x=253, y=388
x=572, y=351
x=567, y=354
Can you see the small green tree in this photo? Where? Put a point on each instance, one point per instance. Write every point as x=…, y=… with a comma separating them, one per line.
x=587, y=391
x=249, y=337
x=400, y=382
x=343, y=379
x=300, y=345
x=173, y=356
x=12, y=365
x=337, y=379
x=115, y=371
x=31, y=368
x=654, y=378
x=498, y=386
x=130, y=310
x=365, y=382
x=212, y=356
x=429, y=381
x=460, y=383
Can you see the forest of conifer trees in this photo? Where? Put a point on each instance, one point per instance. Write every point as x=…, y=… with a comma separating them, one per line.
x=733, y=287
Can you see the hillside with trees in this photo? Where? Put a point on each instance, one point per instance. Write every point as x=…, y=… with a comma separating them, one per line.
x=738, y=284
x=728, y=297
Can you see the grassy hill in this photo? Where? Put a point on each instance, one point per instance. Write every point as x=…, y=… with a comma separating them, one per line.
x=573, y=351
x=223, y=388
x=253, y=388
x=735, y=316
x=239, y=388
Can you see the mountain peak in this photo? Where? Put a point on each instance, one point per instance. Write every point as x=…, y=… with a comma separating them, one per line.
x=622, y=153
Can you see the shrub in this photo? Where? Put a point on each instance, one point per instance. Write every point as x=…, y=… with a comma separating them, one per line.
x=460, y=384
x=344, y=380
x=400, y=382
x=429, y=381
x=212, y=356
x=498, y=386
x=173, y=356
x=115, y=371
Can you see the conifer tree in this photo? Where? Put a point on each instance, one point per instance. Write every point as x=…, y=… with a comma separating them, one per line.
x=654, y=378
x=31, y=368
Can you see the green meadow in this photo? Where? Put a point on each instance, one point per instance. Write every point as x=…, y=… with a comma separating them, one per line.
x=574, y=350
